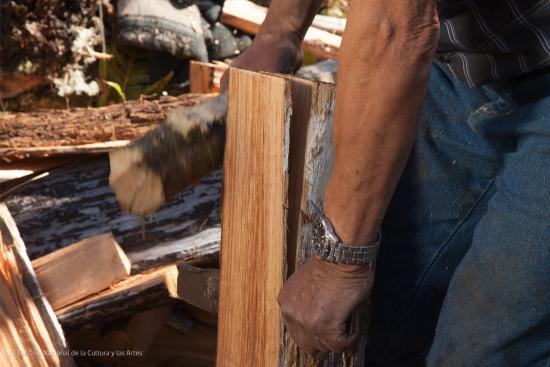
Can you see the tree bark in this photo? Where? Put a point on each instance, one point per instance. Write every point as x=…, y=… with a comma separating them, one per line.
x=82, y=130
x=74, y=203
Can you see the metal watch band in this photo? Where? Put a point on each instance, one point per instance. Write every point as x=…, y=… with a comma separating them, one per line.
x=329, y=247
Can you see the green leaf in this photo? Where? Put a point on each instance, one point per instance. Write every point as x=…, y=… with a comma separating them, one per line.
x=118, y=89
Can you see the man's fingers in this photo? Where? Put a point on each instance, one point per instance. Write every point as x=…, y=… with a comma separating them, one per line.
x=306, y=340
x=340, y=342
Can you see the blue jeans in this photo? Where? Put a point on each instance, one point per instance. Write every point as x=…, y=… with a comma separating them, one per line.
x=463, y=274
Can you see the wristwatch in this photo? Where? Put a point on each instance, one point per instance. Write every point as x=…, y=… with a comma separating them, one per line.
x=327, y=246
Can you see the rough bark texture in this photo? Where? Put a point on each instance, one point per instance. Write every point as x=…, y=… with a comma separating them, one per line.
x=38, y=134
x=311, y=157
x=74, y=203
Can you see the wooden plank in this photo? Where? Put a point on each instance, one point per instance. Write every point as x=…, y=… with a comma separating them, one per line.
x=26, y=167
x=136, y=293
x=199, y=249
x=81, y=269
x=204, y=77
x=247, y=16
x=310, y=161
x=329, y=23
x=76, y=202
x=82, y=130
x=253, y=261
x=28, y=311
x=199, y=287
x=52, y=151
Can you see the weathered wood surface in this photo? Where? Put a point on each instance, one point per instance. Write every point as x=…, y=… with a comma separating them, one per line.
x=81, y=269
x=82, y=130
x=315, y=145
x=253, y=263
x=324, y=71
x=76, y=202
x=199, y=287
x=139, y=292
x=28, y=311
x=247, y=16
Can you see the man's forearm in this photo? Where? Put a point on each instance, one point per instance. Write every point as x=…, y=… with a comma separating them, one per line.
x=384, y=65
x=290, y=18
x=277, y=46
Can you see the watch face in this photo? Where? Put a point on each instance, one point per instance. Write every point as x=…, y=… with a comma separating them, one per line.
x=330, y=236
x=324, y=238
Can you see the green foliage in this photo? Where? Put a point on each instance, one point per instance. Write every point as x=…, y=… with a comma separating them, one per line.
x=126, y=76
x=118, y=89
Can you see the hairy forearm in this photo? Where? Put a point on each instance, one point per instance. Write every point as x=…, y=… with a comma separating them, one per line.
x=384, y=65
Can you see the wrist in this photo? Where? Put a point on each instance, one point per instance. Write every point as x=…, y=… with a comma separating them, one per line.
x=340, y=269
x=275, y=36
x=282, y=50
x=355, y=220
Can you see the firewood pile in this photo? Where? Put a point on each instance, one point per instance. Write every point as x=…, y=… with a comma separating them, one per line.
x=81, y=282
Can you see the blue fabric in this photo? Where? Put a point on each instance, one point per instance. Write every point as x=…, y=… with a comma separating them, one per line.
x=463, y=274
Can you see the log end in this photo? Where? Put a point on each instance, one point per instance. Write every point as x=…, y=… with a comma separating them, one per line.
x=138, y=189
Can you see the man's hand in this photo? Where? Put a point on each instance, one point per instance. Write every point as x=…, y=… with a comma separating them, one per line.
x=277, y=48
x=273, y=52
x=317, y=301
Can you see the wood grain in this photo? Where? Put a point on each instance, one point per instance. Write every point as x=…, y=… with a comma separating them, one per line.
x=205, y=77
x=81, y=269
x=310, y=159
x=136, y=293
x=253, y=263
x=30, y=334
